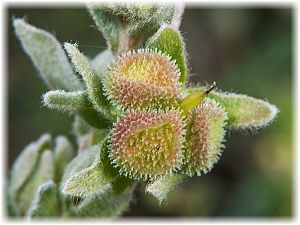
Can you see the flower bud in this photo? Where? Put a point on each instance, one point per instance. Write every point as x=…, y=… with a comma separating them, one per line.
x=142, y=80
x=148, y=144
x=205, y=136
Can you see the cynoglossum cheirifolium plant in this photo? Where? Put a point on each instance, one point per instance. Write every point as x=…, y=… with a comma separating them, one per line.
x=135, y=118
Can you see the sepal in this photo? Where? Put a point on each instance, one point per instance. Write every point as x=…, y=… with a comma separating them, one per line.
x=169, y=40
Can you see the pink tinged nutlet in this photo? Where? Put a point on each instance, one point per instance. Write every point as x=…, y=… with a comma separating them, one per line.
x=146, y=145
x=205, y=137
x=143, y=79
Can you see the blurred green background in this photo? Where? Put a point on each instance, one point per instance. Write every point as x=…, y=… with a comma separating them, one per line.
x=245, y=50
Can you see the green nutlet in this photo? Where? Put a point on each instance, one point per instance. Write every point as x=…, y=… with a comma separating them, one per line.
x=146, y=145
x=205, y=137
x=143, y=79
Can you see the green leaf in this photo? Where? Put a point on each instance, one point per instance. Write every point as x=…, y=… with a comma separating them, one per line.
x=107, y=24
x=63, y=153
x=80, y=162
x=93, y=82
x=101, y=62
x=98, y=191
x=87, y=181
x=45, y=202
x=24, y=165
x=104, y=203
x=168, y=40
x=43, y=172
x=75, y=102
x=48, y=56
x=93, y=178
x=243, y=111
x=161, y=187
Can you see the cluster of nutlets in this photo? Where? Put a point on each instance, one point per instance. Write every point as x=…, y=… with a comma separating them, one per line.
x=132, y=110
x=162, y=131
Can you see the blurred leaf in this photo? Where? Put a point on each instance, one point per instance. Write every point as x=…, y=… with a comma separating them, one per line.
x=11, y=208
x=91, y=138
x=44, y=171
x=101, y=62
x=107, y=24
x=80, y=127
x=25, y=164
x=45, y=202
x=63, y=153
x=48, y=56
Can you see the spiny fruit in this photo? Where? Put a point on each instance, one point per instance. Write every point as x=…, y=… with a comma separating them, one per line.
x=205, y=136
x=146, y=79
x=148, y=144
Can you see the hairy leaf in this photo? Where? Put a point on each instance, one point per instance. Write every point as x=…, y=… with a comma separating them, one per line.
x=44, y=171
x=47, y=56
x=104, y=203
x=80, y=127
x=92, y=178
x=161, y=187
x=87, y=181
x=24, y=165
x=45, y=202
x=81, y=162
x=93, y=82
x=63, y=153
x=75, y=102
